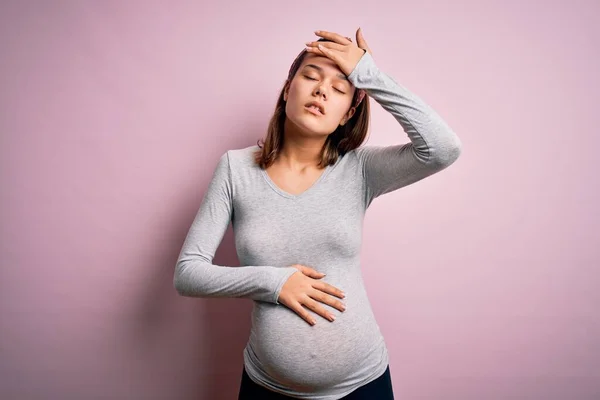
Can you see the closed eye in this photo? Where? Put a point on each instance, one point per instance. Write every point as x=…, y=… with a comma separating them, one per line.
x=312, y=79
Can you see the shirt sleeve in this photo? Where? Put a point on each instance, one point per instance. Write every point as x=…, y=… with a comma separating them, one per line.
x=433, y=145
x=196, y=276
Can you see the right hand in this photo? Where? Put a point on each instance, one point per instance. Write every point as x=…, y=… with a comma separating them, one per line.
x=302, y=289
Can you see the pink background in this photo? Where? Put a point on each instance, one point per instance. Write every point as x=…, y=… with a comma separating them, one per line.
x=484, y=278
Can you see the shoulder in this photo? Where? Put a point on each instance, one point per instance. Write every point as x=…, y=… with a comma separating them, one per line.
x=241, y=157
x=240, y=164
x=353, y=156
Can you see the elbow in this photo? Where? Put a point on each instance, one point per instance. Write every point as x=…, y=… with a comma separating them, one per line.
x=178, y=283
x=181, y=281
x=450, y=154
x=192, y=279
x=455, y=151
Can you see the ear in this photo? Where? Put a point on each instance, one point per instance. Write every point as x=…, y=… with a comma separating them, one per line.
x=348, y=115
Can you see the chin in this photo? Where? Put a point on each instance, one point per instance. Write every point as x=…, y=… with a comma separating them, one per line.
x=313, y=129
x=310, y=125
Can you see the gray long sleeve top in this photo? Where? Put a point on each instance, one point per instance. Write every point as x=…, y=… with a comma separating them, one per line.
x=321, y=228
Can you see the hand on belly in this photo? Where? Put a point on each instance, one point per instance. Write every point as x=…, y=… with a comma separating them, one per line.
x=303, y=291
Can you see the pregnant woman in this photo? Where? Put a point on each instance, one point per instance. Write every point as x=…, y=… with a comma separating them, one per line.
x=297, y=205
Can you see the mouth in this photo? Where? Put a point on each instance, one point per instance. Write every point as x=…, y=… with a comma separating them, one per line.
x=315, y=108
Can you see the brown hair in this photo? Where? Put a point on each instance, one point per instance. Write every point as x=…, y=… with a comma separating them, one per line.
x=345, y=138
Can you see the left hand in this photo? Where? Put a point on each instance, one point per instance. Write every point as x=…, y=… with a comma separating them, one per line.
x=342, y=50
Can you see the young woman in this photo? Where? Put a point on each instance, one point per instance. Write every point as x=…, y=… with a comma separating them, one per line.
x=297, y=205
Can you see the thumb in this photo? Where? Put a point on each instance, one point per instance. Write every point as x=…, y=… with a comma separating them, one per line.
x=361, y=42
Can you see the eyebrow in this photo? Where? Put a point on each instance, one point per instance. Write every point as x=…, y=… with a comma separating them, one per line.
x=340, y=75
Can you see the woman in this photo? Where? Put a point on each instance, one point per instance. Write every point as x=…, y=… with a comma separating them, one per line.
x=297, y=205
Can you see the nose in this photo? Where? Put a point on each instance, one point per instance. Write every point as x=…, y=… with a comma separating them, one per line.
x=320, y=91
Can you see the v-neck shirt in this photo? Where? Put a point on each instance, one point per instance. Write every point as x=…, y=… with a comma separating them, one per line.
x=287, y=194
x=321, y=228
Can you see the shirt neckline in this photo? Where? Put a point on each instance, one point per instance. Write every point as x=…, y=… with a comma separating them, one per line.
x=306, y=192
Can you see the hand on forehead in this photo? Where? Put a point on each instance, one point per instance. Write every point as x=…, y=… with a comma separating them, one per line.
x=341, y=57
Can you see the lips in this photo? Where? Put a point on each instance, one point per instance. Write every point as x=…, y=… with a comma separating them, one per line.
x=316, y=104
x=313, y=111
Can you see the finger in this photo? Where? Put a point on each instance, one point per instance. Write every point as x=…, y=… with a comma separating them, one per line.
x=327, y=288
x=317, y=308
x=329, y=45
x=315, y=50
x=325, y=52
x=314, y=274
x=308, y=271
x=327, y=299
x=333, y=36
x=361, y=42
x=330, y=53
x=301, y=311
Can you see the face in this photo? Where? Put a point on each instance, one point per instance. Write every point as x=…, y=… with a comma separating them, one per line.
x=319, y=79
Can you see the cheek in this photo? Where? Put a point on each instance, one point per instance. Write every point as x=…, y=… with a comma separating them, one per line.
x=298, y=95
x=292, y=101
x=338, y=109
x=292, y=95
x=297, y=90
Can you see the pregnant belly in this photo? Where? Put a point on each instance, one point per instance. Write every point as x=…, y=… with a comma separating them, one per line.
x=307, y=357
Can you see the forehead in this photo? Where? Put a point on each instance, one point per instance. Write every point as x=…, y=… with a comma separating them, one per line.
x=321, y=61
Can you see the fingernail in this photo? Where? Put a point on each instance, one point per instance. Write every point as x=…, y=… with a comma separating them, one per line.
x=332, y=317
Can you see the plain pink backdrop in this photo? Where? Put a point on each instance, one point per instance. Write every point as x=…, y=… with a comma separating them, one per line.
x=484, y=278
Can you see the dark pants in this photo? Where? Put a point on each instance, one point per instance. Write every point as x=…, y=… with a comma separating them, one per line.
x=380, y=389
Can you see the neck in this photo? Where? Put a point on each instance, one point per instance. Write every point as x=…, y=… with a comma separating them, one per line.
x=300, y=150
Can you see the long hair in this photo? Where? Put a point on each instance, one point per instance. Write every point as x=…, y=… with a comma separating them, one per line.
x=345, y=138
